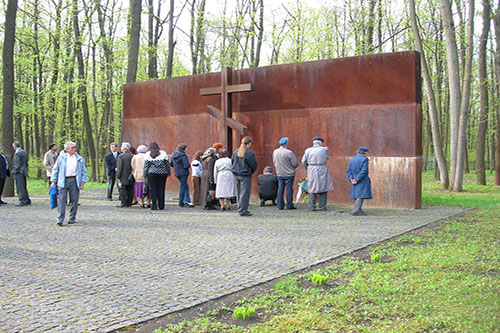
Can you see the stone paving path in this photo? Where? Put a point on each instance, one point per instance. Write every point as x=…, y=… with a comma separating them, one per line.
x=120, y=266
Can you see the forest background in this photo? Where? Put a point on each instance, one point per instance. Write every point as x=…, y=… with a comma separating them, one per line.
x=64, y=63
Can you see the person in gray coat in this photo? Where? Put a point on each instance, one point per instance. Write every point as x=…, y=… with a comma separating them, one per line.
x=285, y=163
x=123, y=174
x=319, y=181
x=244, y=165
x=357, y=173
x=20, y=172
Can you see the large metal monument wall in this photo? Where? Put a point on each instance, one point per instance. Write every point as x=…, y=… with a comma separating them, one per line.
x=372, y=101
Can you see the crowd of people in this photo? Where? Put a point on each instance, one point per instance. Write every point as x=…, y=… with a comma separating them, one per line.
x=218, y=178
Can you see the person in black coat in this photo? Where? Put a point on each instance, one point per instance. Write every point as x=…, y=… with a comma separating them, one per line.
x=20, y=172
x=4, y=173
x=110, y=161
x=244, y=165
x=268, y=186
x=123, y=174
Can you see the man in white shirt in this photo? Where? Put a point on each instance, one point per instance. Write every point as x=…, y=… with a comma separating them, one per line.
x=69, y=175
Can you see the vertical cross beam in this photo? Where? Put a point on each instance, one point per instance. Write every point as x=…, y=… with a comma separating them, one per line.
x=226, y=106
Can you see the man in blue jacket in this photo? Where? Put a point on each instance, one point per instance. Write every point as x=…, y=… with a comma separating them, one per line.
x=69, y=175
x=357, y=173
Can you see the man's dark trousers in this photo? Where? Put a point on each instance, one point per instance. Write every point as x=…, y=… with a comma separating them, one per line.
x=111, y=184
x=288, y=183
x=22, y=192
x=126, y=195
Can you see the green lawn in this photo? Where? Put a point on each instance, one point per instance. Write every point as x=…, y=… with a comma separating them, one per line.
x=441, y=278
x=39, y=186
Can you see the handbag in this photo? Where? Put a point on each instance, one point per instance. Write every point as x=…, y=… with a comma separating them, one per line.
x=131, y=178
x=53, y=197
x=145, y=189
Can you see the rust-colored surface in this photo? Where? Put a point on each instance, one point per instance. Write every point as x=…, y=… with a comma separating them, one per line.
x=371, y=101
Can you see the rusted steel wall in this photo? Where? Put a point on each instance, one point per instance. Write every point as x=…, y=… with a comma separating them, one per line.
x=372, y=101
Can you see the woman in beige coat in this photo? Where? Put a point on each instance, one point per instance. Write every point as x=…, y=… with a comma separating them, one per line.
x=138, y=172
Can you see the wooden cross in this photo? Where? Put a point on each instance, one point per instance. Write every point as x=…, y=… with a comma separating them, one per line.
x=226, y=115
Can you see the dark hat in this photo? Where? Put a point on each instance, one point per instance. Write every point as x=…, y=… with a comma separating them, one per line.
x=363, y=149
x=318, y=138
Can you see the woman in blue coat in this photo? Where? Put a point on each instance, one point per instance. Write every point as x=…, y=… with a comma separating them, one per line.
x=361, y=187
x=180, y=162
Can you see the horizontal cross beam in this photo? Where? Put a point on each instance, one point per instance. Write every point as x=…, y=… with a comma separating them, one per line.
x=233, y=123
x=230, y=89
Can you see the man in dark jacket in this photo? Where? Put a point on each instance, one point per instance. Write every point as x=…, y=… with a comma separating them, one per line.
x=357, y=173
x=110, y=161
x=123, y=174
x=4, y=173
x=180, y=162
x=20, y=172
x=268, y=186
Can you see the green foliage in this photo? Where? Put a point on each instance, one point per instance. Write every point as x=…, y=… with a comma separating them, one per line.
x=242, y=312
x=318, y=279
x=375, y=257
x=288, y=285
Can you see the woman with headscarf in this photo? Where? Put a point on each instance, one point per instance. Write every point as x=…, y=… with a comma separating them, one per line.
x=244, y=165
x=207, y=177
x=156, y=171
x=141, y=187
x=224, y=180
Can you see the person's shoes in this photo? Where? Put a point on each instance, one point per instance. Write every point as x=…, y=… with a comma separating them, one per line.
x=28, y=202
x=262, y=203
x=110, y=199
x=135, y=203
x=246, y=214
x=222, y=208
x=228, y=208
x=154, y=208
x=188, y=204
x=293, y=207
x=324, y=209
x=149, y=206
x=59, y=224
x=71, y=222
x=2, y=202
x=359, y=214
x=121, y=206
x=143, y=206
x=274, y=203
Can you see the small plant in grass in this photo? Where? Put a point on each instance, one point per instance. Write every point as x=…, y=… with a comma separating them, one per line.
x=288, y=285
x=417, y=240
x=242, y=312
x=318, y=279
x=375, y=257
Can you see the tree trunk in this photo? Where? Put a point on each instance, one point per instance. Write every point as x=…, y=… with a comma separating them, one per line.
x=454, y=85
x=464, y=104
x=134, y=40
x=8, y=90
x=483, y=85
x=436, y=136
x=152, y=55
x=82, y=93
x=171, y=43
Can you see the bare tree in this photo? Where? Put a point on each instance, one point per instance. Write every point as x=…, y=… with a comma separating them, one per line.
x=82, y=92
x=483, y=117
x=436, y=135
x=134, y=40
x=8, y=89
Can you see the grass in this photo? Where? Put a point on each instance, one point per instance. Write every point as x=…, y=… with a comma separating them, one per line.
x=39, y=186
x=441, y=278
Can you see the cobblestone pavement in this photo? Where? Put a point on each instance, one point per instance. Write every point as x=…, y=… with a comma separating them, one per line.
x=120, y=266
